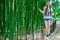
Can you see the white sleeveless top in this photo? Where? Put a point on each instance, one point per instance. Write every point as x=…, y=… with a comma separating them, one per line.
x=48, y=15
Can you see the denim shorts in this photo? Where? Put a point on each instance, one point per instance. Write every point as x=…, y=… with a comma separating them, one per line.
x=47, y=18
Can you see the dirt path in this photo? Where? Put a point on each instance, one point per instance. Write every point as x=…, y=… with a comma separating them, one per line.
x=56, y=36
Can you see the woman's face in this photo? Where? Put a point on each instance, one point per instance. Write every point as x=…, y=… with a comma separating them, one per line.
x=48, y=4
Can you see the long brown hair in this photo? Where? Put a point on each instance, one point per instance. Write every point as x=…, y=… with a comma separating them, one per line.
x=47, y=9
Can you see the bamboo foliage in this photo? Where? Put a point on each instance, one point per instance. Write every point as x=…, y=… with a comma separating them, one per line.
x=2, y=19
x=18, y=18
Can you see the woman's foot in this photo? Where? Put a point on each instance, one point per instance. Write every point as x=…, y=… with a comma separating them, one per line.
x=48, y=36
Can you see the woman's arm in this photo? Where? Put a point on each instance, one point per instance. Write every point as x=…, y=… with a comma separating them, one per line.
x=41, y=10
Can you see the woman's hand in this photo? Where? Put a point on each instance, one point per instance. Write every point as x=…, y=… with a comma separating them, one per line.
x=38, y=9
x=41, y=10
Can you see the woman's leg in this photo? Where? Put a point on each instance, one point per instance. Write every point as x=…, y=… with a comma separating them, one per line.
x=46, y=22
x=49, y=23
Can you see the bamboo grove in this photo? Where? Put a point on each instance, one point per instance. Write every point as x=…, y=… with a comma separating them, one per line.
x=18, y=18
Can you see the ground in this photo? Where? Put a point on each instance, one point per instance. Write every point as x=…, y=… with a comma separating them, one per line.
x=56, y=36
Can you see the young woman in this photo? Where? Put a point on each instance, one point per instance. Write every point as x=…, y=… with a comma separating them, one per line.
x=47, y=17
